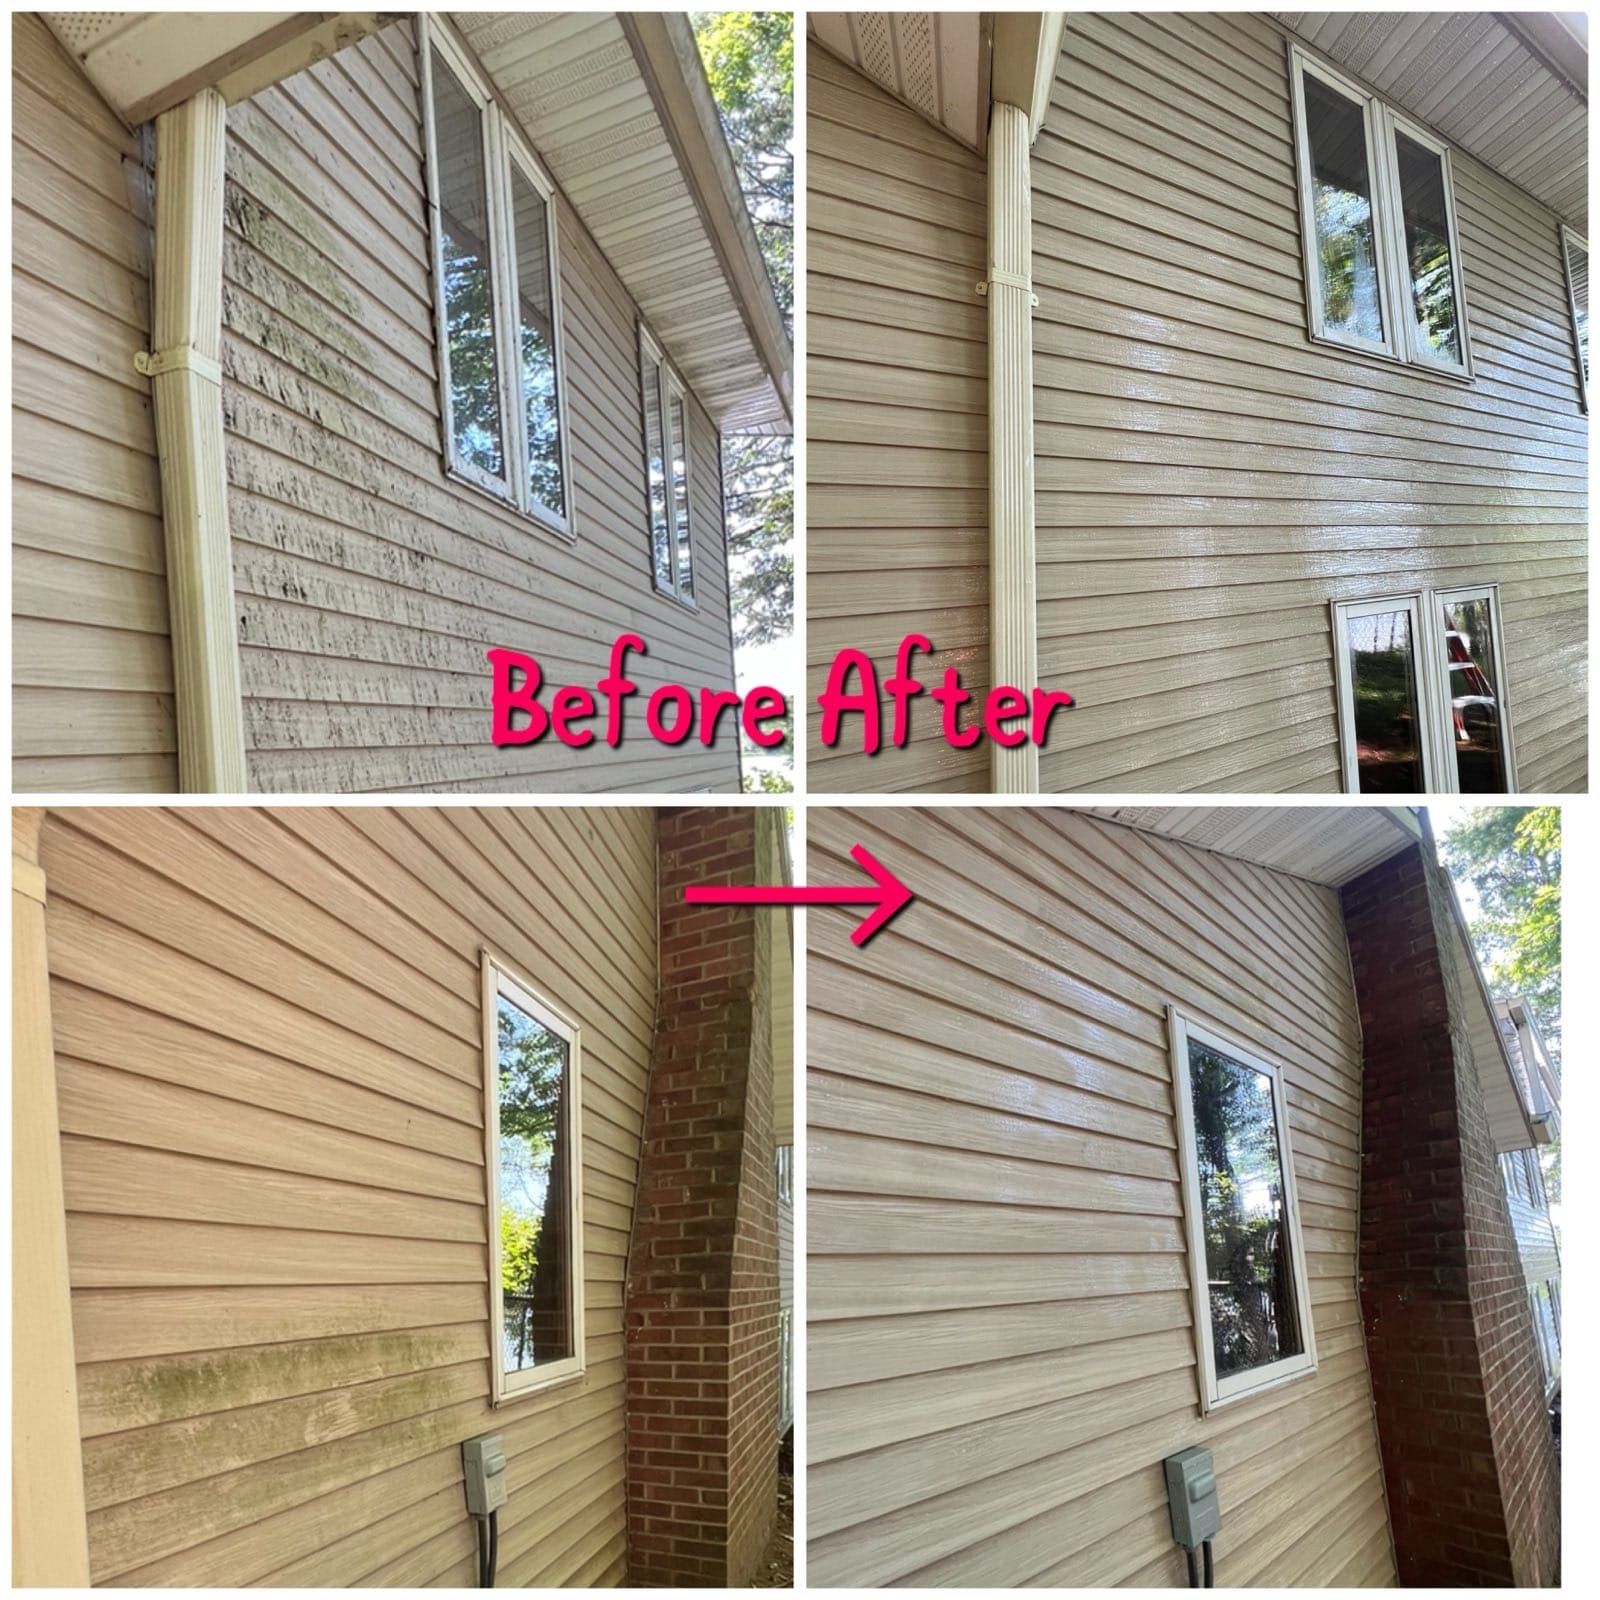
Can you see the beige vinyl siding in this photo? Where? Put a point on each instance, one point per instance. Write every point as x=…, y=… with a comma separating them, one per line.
x=1209, y=479
x=1530, y=1221
x=267, y=1030
x=897, y=375
x=91, y=655
x=1001, y=1340
x=370, y=584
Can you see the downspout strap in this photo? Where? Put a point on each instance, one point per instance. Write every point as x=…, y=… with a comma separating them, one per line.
x=179, y=358
x=1012, y=280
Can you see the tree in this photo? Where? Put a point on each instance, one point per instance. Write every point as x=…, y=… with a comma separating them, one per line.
x=749, y=62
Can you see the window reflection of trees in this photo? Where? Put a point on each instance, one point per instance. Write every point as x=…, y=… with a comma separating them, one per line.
x=1254, y=1318
x=1427, y=226
x=1343, y=212
x=1384, y=690
x=535, y=309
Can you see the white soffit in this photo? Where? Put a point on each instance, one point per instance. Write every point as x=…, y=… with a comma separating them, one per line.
x=936, y=62
x=577, y=85
x=1324, y=844
x=1511, y=88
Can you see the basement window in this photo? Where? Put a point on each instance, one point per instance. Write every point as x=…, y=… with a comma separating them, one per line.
x=1575, y=257
x=666, y=459
x=1421, y=685
x=533, y=1143
x=497, y=292
x=1246, y=1259
x=1378, y=225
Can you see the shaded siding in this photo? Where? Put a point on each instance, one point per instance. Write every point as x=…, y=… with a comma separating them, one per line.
x=1001, y=1336
x=897, y=375
x=1209, y=479
x=1530, y=1221
x=267, y=1030
x=91, y=657
x=369, y=584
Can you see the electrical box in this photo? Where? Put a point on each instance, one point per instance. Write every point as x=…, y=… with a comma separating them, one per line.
x=484, y=1460
x=1192, y=1496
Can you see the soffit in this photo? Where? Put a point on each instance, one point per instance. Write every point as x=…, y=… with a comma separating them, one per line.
x=1509, y=88
x=613, y=135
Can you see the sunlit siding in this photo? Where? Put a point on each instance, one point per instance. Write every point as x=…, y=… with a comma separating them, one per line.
x=1001, y=1342
x=369, y=583
x=1209, y=479
x=897, y=374
x=269, y=1058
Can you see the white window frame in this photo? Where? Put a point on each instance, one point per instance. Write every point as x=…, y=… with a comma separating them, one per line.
x=1570, y=237
x=670, y=387
x=499, y=978
x=1401, y=341
x=504, y=148
x=1437, y=734
x=1214, y=1392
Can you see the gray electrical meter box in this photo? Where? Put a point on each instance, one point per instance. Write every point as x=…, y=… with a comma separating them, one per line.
x=484, y=1461
x=1192, y=1496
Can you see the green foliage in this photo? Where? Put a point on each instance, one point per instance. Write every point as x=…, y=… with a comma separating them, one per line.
x=519, y=1251
x=758, y=478
x=1511, y=855
x=767, y=780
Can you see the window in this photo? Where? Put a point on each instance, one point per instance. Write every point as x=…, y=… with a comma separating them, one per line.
x=1575, y=253
x=785, y=1370
x=1377, y=217
x=497, y=287
x=785, y=1168
x=1422, y=703
x=1246, y=1261
x=534, y=1147
x=1547, y=1336
x=666, y=455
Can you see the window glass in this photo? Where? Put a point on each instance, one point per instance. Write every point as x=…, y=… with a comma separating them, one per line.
x=475, y=420
x=536, y=327
x=680, y=495
x=1384, y=686
x=1474, y=696
x=1342, y=213
x=535, y=1175
x=1427, y=244
x=1250, y=1277
x=655, y=456
x=1578, y=281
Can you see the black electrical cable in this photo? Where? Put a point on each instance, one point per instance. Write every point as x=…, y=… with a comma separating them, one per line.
x=482, y=1525
x=1194, y=1571
x=494, y=1547
x=1210, y=1575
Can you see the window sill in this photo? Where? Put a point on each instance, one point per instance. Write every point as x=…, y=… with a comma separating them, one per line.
x=1388, y=363
x=504, y=502
x=530, y=1391
x=677, y=599
x=1269, y=1386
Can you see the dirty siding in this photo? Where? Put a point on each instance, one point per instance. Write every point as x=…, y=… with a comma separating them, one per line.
x=1001, y=1341
x=897, y=374
x=368, y=583
x=91, y=656
x=269, y=1055
x=1209, y=479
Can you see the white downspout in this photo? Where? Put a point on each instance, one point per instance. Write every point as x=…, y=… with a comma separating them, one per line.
x=1013, y=608
x=184, y=368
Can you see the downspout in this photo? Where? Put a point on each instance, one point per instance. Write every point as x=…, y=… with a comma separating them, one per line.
x=1026, y=45
x=185, y=372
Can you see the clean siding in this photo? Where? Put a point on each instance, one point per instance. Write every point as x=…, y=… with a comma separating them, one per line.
x=91, y=654
x=1001, y=1342
x=897, y=429
x=369, y=583
x=268, y=1042
x=1209, y=479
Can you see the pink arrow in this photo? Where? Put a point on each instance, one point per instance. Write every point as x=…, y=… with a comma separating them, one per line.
x=886, y=894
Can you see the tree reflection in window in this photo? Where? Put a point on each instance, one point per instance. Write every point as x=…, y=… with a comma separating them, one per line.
x=535, y=1175
x=536, y=319
x=475, y=419
x=1249, y=1262
x=1346, y=254
x=1474, y=698
x=680, y=495
x=1384, y=689
x=1427, y=225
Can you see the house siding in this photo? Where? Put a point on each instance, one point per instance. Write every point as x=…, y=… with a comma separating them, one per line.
x=897, y=407
x=1209, y=479
x=91, y=655
x=269, y=1056
x=1536, y=1234
x=1001, y=1340
x=370, y=584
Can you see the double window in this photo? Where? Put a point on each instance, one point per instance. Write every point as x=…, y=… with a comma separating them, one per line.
x=1575, y=257
x=497, y=294
x=1246, y=1259
x=533, y=1143
x=666, y=456
x=1422, y=704
x=1377, y=214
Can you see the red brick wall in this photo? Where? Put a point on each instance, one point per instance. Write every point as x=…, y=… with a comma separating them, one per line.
x=1467, y=1454
x=702, y=1294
